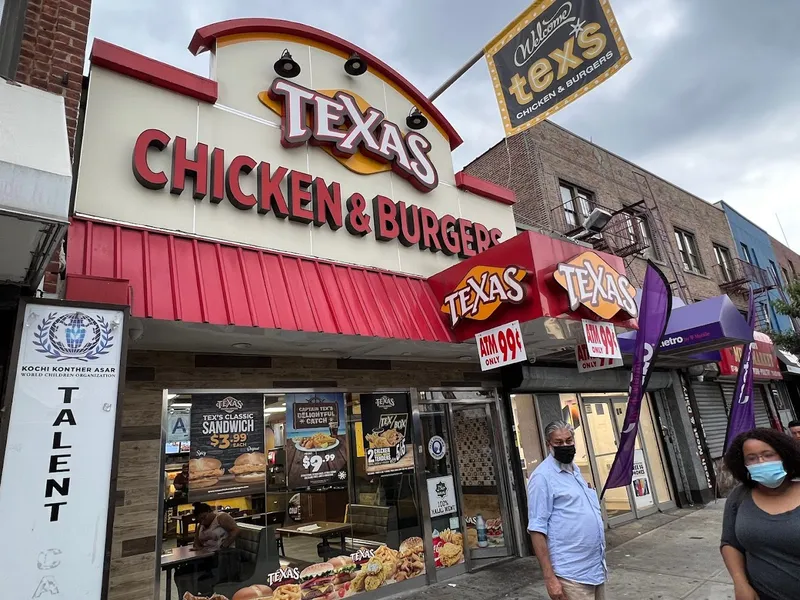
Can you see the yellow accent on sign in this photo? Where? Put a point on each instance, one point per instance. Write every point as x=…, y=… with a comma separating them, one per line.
x=359, y=162
x=592, y=282
x=359, y=439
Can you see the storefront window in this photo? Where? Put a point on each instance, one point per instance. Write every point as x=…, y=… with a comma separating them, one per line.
x=655, y=452
x=528, y=438
x=291, y=495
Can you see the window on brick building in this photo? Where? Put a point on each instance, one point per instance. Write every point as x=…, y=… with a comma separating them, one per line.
x=577, y=203
x=637, y=227
x=794, y=273
x=12, y=21
x=786, y=277
x=773, y=269
x=724, y=263
x=687, y=246
x=746, y=253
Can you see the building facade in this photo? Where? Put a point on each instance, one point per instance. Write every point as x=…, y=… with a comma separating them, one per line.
x=561, y=179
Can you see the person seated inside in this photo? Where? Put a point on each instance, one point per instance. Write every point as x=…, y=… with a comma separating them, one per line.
x=216, y=533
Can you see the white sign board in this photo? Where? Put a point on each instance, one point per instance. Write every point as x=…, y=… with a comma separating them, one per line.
x=57, y=465
x=588, y=363
x=501, y=346
x=442, y=496
x=178, y=427
x=642, y=492
x=601, y=339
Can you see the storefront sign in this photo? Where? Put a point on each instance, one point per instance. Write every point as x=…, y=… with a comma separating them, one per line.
x=601, y=339
x=501, y=346
x=385, y=421
x=442, y=496
x=437, y=447
x=59, y=444
x=227, y=446
x=482, y=291
x=316, y=440
x=302, y=198
x=554, y=52
x=588, y=363
x=642, y=494
x=314, y=117
x=592, y=282
x=765, y=361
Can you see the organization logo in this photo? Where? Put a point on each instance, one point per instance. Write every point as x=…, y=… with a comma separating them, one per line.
x=482, y=291
x=384, y=402
x=351, y=131
x=76, y=336
x=592, y=282
x=229, y=404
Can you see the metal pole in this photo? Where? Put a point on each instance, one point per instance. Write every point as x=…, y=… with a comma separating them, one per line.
x=453, y=78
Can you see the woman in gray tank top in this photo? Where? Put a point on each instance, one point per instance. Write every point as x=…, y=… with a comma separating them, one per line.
x=761, y=528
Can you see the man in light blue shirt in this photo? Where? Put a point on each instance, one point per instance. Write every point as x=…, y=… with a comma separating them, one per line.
x=565, y=523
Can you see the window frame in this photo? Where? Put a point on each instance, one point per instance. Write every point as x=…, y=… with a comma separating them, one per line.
x=12, y=26
x=580, y=199
x=746, y=250
x=689, y=251
x=774, y=270
x=724, y=261
x=645, y=231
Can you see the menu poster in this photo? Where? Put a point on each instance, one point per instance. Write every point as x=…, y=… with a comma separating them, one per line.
x=387, y=432
x=227, y=446
x=316, y=442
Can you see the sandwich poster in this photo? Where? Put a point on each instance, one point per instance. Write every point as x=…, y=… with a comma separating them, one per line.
x=227, y=446
x=550, y=55
x=316, y=440
x=387, y=432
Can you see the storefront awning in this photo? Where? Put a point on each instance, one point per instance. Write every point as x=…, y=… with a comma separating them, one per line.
x=698, y=328
x=35, y=180
x=789, y=361
x=176, y=278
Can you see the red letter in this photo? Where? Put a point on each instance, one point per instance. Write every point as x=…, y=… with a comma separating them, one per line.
x=467, y=234
x=385, y=214
x=239, y=165
x=270, y=196
x=430, y=231
x=451, y=243
x=482, y=240
x=299, y=195
x=495, y=235
x=327, y=204
x=217, y=175
x=150, y=138
x=196, y=168
x=409, y=224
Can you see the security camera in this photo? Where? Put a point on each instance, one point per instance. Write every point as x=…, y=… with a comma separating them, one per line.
x=135, y=330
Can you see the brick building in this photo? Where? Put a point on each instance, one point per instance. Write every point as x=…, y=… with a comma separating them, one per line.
x=559, y=176
x=42, y=51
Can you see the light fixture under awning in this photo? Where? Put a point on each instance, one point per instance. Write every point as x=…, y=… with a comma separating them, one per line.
x=35, y=181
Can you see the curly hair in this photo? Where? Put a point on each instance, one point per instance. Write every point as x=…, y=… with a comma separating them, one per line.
x=785, y=446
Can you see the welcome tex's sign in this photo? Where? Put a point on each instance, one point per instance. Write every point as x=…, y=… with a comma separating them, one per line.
x=323, y=164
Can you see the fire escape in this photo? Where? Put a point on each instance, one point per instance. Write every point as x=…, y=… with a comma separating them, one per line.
x=737, y=276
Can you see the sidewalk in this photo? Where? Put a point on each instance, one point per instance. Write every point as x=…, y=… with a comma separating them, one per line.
x=664, y=557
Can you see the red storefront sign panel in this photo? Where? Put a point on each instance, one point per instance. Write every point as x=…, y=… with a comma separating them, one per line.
x=515, y=281
x=765, y=361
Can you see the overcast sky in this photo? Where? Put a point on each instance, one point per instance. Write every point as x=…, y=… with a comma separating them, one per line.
x=710, y=101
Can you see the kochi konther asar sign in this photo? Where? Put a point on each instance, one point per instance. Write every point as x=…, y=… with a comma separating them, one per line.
x=553, y=53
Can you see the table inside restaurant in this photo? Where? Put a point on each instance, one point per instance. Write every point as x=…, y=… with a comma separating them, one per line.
x=324, y=530
x=180, y=556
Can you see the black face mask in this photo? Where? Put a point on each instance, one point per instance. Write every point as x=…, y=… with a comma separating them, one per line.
x=564, y=454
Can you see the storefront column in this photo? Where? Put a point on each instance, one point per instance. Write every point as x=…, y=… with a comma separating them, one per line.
x=687, y=454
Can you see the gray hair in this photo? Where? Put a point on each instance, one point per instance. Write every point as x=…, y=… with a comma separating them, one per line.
x=555, y=426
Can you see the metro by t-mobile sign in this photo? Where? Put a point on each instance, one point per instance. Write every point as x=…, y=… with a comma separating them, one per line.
x=501, y=346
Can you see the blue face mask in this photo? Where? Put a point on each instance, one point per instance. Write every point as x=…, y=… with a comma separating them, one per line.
x=770, y=474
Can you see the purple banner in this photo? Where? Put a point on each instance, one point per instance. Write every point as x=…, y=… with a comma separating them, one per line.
x=742, y=417
x=654, y=313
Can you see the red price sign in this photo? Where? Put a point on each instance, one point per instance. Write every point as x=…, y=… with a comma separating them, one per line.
x=501, y=346
x=601, y=339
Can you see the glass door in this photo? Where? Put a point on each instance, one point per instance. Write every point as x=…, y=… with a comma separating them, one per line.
x=481, y=477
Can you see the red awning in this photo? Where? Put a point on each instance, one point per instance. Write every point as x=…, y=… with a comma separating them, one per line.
x=178, y=278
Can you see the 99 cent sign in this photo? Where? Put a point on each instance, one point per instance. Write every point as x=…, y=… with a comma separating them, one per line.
x=501, y=346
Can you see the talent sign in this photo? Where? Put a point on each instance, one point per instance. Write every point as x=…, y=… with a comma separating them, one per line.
x=387, y=432
x=588, y=363
x=554, y=52
x=316, y=441
x=501, y=346
x=59, y=445
x=601, y=339
x=227, y=446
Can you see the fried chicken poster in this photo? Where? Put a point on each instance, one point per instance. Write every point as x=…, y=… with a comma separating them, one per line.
x=316, y=440
x=387, y=432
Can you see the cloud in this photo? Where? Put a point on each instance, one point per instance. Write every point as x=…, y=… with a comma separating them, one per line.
x=709, y=101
